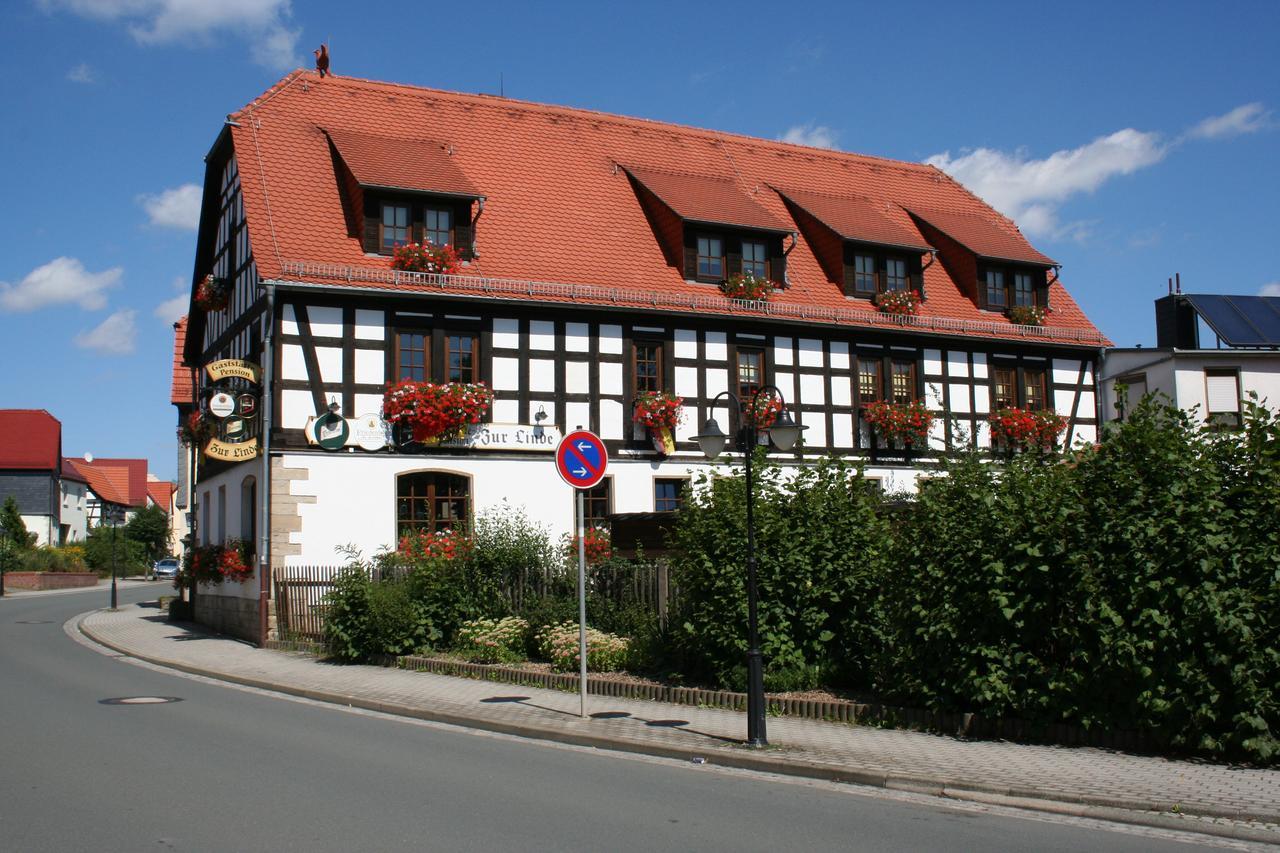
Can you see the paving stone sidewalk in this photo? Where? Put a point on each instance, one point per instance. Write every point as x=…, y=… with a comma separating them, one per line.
x=1222, y=800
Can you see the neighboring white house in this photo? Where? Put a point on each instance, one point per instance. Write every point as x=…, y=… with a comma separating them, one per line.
x=75, y=496
x=1212, y=381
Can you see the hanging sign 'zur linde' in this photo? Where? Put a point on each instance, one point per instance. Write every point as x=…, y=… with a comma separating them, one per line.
x=234, y=410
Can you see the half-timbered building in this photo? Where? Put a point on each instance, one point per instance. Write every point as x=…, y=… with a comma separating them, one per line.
x=592, y=249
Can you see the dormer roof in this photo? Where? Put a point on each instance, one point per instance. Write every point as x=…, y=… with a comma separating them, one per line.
x=707, y=199
x=397, y=163
x=991, y=237
x=859, y=219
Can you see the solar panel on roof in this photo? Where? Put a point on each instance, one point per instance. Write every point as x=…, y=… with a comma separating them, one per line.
x=1240, y=321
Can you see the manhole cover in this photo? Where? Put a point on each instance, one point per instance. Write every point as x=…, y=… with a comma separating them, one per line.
x=34, y=622
x=139, y=700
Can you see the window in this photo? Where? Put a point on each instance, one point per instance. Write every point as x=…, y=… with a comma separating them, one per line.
x=205, y=504
x=460, y=358
x=647, y=366
x=904, y=381
x=750, y=372
x=438, y=229
x=1006, y=389
x=710, y=258
x=864, y=275
x=895, y=274
x=1222, y=393
x=995, y=289
x=1033, y=389
x=249, y=514
x=754, y=260
x=412, y=356
x=395, y=227
x=222, y=515
x=429, y=501
x=1024, y=293
x=869, y=387
x=668, y=493
x=597, y=503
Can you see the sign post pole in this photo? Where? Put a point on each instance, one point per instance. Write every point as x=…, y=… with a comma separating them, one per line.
x=582, y=607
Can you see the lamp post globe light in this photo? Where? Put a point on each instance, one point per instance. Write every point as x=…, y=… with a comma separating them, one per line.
x=783, y=432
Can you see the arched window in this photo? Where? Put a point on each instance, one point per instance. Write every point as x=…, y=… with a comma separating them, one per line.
x=428, y=501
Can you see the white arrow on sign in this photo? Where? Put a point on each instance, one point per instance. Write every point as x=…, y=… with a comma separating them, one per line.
x=583, y=446
x=579, y=472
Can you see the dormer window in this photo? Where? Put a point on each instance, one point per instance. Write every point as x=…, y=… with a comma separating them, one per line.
x=394, y=230
x=895, y=274
x=1024, y=293
x=995, y=289
x=710, y=258
x=438, y=229
x=1005, y=287
x=864, y=275
x=871, y=270
x=755, y=261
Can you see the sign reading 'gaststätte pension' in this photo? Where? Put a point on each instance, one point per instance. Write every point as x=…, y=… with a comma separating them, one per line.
x=233, y=368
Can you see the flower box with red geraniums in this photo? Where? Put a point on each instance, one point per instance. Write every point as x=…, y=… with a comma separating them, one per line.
x=752, y=288
x=659, y=412
x=213, y=293
x=1028, y=315
x=763, y=412
x=422, y=545
x=425, y=257
x=196, y=429
x=1030, y=430
x=596, y=543
x=215, y=564
x=905, y=423
x=904, y=303
x=435, y=411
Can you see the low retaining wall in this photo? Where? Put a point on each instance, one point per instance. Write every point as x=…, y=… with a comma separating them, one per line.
x=49, y=580
x=228, y=614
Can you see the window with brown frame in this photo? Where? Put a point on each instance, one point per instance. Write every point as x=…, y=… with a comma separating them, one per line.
x=461, y=358
x=438, y=226
x=1034, y=396
x=750, y=372
x=755, y=259
x=1004, y=387
x=432, y=501
x=710, y=257
x=1024, y=292
x=895, y=274
x=668, y=493
x=904, y=381
x=413, y=356
x=646, y=369
x=597, y=503
x=394, y=229
x=870, y=387
x=995, y=289
x=1003, y=287
x=864, y=275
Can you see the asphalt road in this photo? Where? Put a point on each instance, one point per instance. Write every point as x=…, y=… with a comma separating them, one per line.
x=233, y=769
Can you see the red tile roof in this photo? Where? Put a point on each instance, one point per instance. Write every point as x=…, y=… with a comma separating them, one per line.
x=984, y=236
x=128, y=476
x=71, y=472
x=409, y=164
x=705, y=198
x=161, y=493
x=30, y=440
x=561, y=210
x=859, y=218
x=182, y=388
x=111, y=485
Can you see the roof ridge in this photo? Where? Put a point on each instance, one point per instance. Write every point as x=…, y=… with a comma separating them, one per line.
x=678, y=173
x=498, y=101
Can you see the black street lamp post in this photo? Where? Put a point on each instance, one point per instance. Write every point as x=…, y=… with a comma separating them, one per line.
x=112, y=510
x=783, y=432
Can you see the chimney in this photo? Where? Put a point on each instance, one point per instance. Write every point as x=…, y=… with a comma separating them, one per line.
x=1177, y=326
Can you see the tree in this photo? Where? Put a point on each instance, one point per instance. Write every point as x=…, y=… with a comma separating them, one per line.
x=106, y=546
x=12, y=528
x=150, y=529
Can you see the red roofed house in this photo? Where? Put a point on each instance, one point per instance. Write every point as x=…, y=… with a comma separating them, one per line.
x=593, y=247
x=30, y=469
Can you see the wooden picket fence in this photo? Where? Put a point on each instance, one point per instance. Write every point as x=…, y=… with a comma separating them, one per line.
x=300, y=592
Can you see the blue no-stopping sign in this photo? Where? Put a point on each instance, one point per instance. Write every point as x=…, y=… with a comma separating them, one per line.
x=581, y=459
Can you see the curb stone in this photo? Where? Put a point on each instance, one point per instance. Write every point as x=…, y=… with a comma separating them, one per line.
x=1135, y=811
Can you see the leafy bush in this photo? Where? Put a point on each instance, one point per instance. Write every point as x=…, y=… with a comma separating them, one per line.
x=106, y=545
x=560, y=644
x=492, y=640
x=818, y=541
x=366, y=618
x=47, y=558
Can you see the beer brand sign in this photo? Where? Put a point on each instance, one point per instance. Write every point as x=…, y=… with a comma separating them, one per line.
x=233, y=409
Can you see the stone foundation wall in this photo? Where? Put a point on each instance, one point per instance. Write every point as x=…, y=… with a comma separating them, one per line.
x=49, y=580
x=285, y=519
x=231, y=615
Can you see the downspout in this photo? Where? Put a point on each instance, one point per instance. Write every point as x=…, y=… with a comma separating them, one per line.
x=264, y=500
x=933, y=256
x=786, y=268
x=479, y=213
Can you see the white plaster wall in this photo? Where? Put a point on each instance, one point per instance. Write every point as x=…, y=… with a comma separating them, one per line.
x=42, y=526
x=506, y=333
x=233, y=479
x=610, y=377
x=686, y=343
x=717, y=347
x=577, y=337
x=75, y=509
x=611, y=339
x=542, y=334
x=370, y=325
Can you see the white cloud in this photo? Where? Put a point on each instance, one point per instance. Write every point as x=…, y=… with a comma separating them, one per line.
x=61, y=281
x=171, y=310
x=82, y=73
x=1270, y=289
x=1248, y=118
x=1030, y=191
x=113, y=336
x=816, y=136
x=178, y=207
x=262, y=22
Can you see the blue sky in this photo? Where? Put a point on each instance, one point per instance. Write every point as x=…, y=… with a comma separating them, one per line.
x=1130, y=141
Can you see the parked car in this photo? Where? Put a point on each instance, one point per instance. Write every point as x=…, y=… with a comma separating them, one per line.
x=166, y=568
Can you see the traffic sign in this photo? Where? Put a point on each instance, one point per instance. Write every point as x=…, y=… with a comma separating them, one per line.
x=581, y=459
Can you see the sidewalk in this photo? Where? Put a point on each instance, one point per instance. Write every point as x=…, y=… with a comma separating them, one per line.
x=1183, y=795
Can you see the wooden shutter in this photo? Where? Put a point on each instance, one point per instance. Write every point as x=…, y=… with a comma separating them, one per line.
x=733, y=264
x=416, y=231
x=778, y=269
x=371, y=233
x=690, y=255
x=848, y=279
x=463, y=237
x=915, y=281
